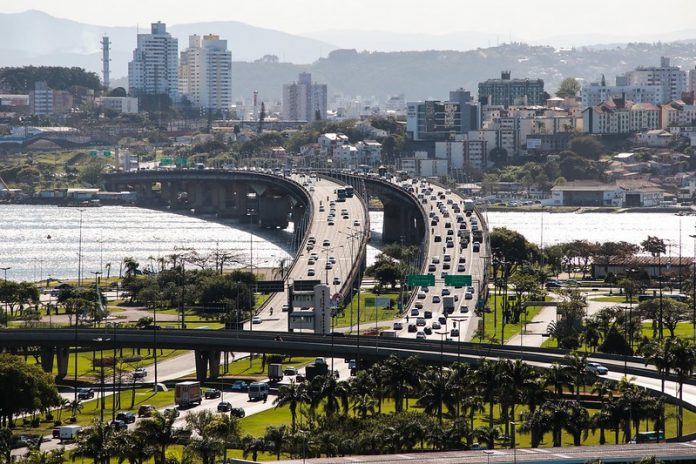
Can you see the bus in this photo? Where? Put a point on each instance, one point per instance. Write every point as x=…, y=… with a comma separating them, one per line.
x=349, y=191
x=341, y=194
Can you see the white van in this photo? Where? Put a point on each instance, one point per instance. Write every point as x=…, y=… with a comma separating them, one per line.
x=258, y=391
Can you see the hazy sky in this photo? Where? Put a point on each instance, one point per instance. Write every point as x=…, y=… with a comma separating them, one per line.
x=526, y=19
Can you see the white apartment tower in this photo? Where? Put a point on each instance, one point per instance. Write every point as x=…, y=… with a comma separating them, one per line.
x=154, y=68
x=303, y=100
x=205, y=73
x=671, y=79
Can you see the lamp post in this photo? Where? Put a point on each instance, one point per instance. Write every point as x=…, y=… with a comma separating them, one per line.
x=79, y=253
x=7, y=316
x=693, y=286
x=101, y=340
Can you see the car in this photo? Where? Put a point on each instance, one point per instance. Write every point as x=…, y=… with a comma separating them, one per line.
x=432, y=268
x=464, y=309
x=326, y=243
x=311, y=261
x=328, y=266
x=425, y=289
x=311, y=272
x=145, y=410
x=310, y=247
x=412, y=328
x=420, y=335
x=461, y=267
x=436, y=325
x=336, y=280
x=117, y=424
x=140, y=373
x=172, y=411
x=468, y=296
x=285, y=308
x=435, y=260
x=454, y=333
x=596, y=368
x=356, y=223
x=332, y=259
x=330, y=222
x=287, y=371
x=398, y=326
x=239, y=386
x=445, y=292
x=414, y=312
x=421, y=295
x=428, y=314
x=470, y=289
x=85, y=394
x=446, y=266
x=224, y=406
x=442, y=319
x=436, y=299
x=443, y=274
x=237, y=412
x=447, y=258
x=553, y=284
x=321, y=209
x=428, y=330
x=420, y=321
x=450, y=244
x=438, y=238
x=418, y=305
x=126, y=416
x=256, y=320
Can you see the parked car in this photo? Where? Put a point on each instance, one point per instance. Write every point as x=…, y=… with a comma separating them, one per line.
x=145, y=410
x=212, y=393
x=126, y=416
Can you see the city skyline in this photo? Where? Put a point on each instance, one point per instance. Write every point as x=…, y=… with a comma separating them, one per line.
x=405, y=17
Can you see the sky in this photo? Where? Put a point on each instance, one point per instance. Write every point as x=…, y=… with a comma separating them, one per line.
x=523, y=19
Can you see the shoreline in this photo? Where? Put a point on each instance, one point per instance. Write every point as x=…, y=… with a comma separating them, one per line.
x=591, y=209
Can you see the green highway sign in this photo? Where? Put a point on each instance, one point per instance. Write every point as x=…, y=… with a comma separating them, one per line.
x=458, y=280
x=420, y=280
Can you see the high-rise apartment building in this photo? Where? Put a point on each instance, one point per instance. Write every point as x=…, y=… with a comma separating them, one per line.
x=304, y=100
x=510, y=92
x=671, y=79
x=154, y=68
x=205, y=73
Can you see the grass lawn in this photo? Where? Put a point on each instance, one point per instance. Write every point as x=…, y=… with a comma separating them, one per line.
x=611, y=299
x=241, y=367
x=492, y=331
x=367, y=313
x=683, y=330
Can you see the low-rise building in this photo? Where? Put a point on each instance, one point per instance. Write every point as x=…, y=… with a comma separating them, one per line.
x=587, y=193
x=657, y=138
x=619, y=116
x=127, y=105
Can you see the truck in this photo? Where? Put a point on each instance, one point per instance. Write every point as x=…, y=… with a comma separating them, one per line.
x=187, y=393
x=275, y=372
x=316, y=369
x=468, y=204
x=448, y=304
x=69, y=432
x=258, y=391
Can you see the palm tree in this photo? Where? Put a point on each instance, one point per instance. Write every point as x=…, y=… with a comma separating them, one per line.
x=292, y=395
x=557, y=411
x=684, y=356
x=557, y=377
x=489, y=434
x=158, y=430
x=93, y=442
x=487, y=382
x=578, y=421
x=661, y=353
x=129, y=446
x=333, y=393
x=397, y=374
x=252, y=445
x=577, y=369
x=536, y=423
x=364, y=405
x=64, y=403
x=275, y=437
x=206, y=441
x=281, y=271
x=434, y=395
x=76, y=406
x=226, y=429
x=131, y=267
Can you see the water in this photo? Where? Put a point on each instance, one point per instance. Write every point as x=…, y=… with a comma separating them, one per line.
x=42, y=241
x=601, y=227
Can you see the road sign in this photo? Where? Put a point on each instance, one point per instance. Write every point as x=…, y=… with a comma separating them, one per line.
x=270, y=286
x=420, y=280
x=305, y=285
x=458, y=280
x=369, y=301
x=382, y=302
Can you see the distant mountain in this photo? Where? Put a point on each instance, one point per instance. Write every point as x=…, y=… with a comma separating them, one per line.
x=37, y=38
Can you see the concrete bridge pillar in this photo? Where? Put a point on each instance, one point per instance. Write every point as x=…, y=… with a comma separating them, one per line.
x=214, y=364
x=274, y=211
x=63, y=358
x=46, y=353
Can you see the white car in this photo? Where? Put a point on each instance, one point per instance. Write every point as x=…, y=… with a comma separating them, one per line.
x=596, y=369
x=256, y=320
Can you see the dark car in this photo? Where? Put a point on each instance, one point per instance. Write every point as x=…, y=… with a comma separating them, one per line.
x=412, y=328
x=240, y=386
x=212, y=393
x=237, y=412
x=85, y=394
x=553, y=284
x=126, y=416
x=119, y=425
x=145, y=410
x=224, y=406
x=172, y=411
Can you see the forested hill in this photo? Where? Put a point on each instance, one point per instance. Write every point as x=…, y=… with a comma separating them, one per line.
x=433, y=74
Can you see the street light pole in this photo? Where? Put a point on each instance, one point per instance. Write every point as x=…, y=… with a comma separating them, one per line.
x=7, y=315
x=693, y=286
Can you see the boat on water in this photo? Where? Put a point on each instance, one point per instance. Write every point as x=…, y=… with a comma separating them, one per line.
x=81, y=204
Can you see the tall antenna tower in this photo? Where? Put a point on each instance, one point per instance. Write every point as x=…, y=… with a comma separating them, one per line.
x=105, y=60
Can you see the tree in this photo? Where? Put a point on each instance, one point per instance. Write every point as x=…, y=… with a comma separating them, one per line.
x=684, y=363
x=275, y=437
x=292, y=395
x=573, y=167
x=512, y=246
x=159, y=430
x=24, y=388
x=252, y=445
x=569, y=88
x=587, y=146
x=94, y=441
